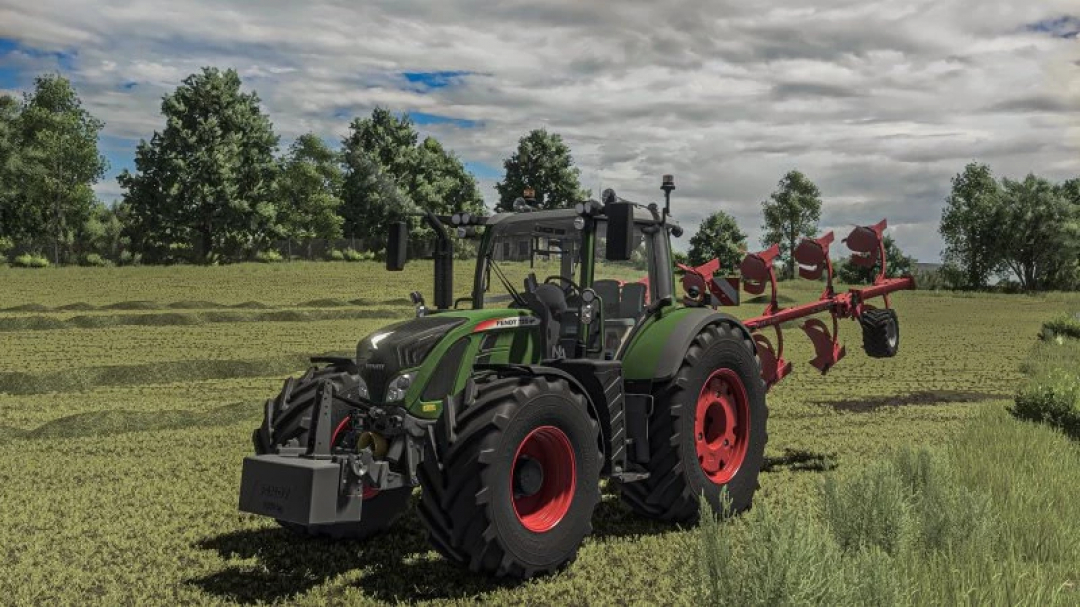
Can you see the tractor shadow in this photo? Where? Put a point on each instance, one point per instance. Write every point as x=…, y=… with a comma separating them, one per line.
x=396, y=566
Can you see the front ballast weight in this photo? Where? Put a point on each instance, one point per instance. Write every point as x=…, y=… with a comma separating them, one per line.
x=881, y=329
x=316, y=486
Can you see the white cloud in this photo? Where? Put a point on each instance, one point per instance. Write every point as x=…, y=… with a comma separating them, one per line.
x=880, y=102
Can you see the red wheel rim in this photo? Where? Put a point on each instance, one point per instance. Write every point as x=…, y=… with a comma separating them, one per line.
x=722, y=426
x=368, y=492
x=549, y=447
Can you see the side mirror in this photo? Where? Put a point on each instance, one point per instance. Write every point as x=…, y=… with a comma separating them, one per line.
x=397, y=241
x=620, y=231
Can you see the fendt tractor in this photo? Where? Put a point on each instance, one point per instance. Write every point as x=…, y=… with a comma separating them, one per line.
x=507, y=407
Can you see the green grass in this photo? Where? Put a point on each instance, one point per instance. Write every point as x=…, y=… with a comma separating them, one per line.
x=123, y=437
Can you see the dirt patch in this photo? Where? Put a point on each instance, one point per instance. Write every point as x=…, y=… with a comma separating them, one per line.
x=925, y=397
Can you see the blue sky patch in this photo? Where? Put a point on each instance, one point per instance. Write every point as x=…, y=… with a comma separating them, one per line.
x=482, y=170
x=434, y=80
x=1065, y=26
x=424, y=119
x=15, y=77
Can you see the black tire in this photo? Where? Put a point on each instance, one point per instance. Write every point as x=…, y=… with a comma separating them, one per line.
x=880, y=333
x=677, y=477
x=467, y=501
x=286, y=422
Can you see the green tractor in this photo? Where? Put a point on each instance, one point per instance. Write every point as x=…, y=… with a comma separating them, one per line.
x=506, y=408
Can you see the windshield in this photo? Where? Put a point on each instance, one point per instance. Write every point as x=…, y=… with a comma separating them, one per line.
x=553, y=249
x=549, y=248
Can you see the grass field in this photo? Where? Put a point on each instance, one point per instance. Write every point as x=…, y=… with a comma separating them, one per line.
x=127, y=398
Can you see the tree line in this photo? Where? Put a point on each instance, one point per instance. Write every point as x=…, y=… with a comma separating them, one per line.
x=210, y=186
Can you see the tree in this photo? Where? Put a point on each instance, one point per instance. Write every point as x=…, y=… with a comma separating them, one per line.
x=209, y=177
x=896, y=264
x=59, y=161
x=718, y=237
x=542, y=162
x=386, y=172
x=10, y=217
x=309, y=193
x=1039, y=232
x=792, y=212
x=969, y=225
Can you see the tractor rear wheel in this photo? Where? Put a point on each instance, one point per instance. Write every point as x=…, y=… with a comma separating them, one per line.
x=512, y=492
x=707, y=431
x=880, y=332
x=286, y=422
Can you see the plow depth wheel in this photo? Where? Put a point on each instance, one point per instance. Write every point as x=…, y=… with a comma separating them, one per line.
x=512, y=491
x=881, y=333
x=706, y=432
x=722, y=425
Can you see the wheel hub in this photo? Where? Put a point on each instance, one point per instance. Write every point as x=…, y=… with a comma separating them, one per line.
x=528, y=477
x=543, y=478
x=722, y=426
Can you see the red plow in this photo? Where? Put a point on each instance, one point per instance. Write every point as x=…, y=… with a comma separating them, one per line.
x=757, y=272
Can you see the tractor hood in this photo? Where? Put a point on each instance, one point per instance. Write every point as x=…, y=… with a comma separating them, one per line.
x=404, y=345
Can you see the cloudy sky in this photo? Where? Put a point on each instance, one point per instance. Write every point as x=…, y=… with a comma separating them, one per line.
x=879, y=102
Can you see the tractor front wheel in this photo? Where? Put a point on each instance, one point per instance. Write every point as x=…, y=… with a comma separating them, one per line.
x=512, y=492
x=707, y=431
x=287, y=418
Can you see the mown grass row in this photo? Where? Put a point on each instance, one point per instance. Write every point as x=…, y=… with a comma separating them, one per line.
x=143, y=305
x=78, y=379
x=46, y=323
x=988, y=519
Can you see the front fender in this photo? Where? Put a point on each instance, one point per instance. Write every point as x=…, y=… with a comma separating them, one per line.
x=656, y=350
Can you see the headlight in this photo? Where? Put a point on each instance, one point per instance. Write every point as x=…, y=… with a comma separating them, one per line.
x=587, y=314
x=361, y=388
x=395, y=392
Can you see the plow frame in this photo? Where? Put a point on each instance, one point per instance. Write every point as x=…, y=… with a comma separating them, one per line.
x=758, y=273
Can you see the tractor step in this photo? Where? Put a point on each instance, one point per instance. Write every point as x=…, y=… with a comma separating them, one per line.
x=630, y=476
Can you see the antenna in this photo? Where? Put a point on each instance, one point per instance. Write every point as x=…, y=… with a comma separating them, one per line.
x=667, y=186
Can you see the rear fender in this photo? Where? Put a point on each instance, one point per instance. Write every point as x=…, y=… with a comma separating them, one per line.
x=656, y=351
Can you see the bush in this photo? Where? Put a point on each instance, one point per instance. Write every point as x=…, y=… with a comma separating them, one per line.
x=335, y=255
x=1067, y=326
x=354, y=255
x=94, y=260
x=1053, y=398
x=270, y=256
x=129, y=259
x=6, y=244
x=26, y=260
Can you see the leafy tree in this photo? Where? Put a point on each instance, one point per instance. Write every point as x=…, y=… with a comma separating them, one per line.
x=542, y=162
x=719, y=237
x=896, y=264
x=370, y=198
x=309, y=194
x=386, y=172
x=59, y=161
x=10, y=218
x=208, y=178
x=1039, y=231
x=791, y=213
x=969, y=225
x=102, y=232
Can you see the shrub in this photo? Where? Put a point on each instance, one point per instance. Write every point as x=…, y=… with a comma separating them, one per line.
x=94, y=260
x=351, y=254
x=27, y=260
x=1053, y=398
x=6, y=244
x=335, y=255
x=1067, y=326
x=270, y=256
x=129, y=259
